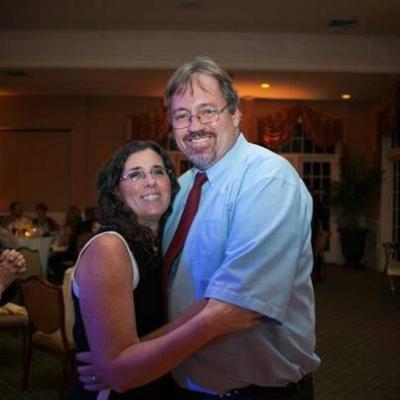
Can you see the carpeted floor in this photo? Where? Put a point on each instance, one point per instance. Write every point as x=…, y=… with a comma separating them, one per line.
x=45, y=376
x=358, y=333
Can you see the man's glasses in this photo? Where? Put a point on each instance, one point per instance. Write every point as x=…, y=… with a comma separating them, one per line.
x=138, y=174
x=183, y=119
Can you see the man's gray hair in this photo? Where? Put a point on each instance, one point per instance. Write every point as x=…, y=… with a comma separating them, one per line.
x=186, y=74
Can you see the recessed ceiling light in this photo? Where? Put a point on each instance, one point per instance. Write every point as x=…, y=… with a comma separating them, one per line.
x=346, y=96
x=265, y=85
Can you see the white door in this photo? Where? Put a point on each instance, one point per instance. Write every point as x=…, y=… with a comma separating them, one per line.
x=318, y=171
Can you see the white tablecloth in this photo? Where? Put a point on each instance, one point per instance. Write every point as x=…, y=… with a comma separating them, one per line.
x=42, y=244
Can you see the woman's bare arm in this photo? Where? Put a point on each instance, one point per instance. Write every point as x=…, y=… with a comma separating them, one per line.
x=106, y=300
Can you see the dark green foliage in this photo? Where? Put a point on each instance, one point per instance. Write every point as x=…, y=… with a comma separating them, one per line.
x=353, y=195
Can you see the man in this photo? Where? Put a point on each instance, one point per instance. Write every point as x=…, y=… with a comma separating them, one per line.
x=248, y=245
x=45, y=224
x=16, y=221
x=248, y=248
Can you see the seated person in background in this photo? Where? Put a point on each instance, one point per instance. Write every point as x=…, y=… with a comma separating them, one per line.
x=45, y=225
x=72, y=220
x=16, y=222
x=68, y=236
x=91, y=216
x=88, y=227
x=7, y=239
x=70, y=230
x=12, y=264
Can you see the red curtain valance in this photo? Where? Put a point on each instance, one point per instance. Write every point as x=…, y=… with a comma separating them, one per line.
x=275, y=130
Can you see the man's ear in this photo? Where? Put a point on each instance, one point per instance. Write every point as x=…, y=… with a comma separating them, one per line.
x=237, y=118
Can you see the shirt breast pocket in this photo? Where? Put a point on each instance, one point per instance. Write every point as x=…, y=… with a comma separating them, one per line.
x=206, y=246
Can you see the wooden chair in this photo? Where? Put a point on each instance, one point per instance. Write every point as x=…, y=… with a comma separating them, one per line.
x=33, y=262
x=14, y=322
x=47, y=330
x=68, y=303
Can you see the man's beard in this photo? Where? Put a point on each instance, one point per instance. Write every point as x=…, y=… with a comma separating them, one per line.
x=201, y=160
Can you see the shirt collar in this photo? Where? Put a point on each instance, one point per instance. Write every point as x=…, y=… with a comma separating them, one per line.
x=227, y=162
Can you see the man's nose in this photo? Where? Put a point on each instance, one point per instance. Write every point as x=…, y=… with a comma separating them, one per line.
x=195, y=124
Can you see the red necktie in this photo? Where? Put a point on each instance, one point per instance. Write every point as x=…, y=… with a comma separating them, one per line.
x=176, y=245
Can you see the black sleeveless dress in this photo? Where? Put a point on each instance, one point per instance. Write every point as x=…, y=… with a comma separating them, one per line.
x=149, y=316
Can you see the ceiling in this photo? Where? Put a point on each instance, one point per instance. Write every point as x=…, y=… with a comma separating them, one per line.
x=367, y=18
x=293, y=16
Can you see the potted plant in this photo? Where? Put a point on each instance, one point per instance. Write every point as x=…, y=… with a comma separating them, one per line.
x=352, y=198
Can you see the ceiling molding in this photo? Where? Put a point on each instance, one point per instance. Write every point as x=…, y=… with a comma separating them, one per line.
x=166, y=50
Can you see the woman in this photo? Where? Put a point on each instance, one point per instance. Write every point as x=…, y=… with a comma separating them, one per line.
x=135, y=191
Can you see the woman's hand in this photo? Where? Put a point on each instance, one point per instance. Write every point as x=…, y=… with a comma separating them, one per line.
x=87, y=373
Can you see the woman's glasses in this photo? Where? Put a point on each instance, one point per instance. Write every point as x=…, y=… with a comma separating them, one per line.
x=138, y=174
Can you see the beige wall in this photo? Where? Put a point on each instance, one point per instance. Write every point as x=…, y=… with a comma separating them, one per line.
x=77, y=135
x=83, y=132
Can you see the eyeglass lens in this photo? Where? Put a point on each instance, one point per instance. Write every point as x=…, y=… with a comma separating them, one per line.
x=182, y=119
x=156, y=172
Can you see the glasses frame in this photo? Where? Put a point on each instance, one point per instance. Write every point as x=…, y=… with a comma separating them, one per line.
x=144, y=173
x=190, y=116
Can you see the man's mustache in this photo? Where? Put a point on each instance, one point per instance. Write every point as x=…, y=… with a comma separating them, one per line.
x=198, y=135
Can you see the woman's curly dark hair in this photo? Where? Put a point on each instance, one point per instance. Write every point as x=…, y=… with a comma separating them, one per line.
x=115, y=215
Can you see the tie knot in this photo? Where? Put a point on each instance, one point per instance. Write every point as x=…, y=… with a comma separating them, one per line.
x=200, y=179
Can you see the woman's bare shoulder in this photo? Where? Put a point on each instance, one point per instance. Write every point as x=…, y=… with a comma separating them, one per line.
x=108, y=241
x=104, y=254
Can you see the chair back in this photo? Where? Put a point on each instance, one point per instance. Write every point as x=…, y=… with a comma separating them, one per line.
x=33, y=262
x=68, y=303
x=44, y=303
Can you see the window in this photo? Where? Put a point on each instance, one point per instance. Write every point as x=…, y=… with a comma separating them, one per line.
x=300, y=143
x=318, y=167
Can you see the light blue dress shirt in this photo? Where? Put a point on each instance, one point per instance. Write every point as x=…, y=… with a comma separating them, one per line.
x=248, y=245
